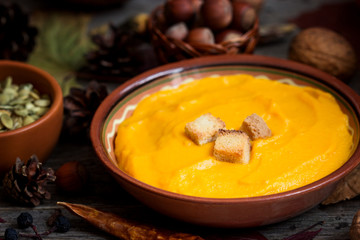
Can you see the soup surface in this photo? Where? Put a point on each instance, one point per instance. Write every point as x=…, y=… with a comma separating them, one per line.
x=310, y=138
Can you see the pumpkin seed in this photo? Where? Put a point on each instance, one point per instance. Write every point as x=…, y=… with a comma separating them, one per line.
x=18, y=122
x=10, y=92
x=22, y=112
x=6, y=107
x=29, y=105
x=17, y=101
x=42, y=111
x=4, y=99
x=28, y=86
x=5, y=112
x=24, y=92
x=42, y=102
x=34, y=110
x=7, y=121
x=23, y=97
x=34, y=95
x=8, y=82
x=28, y=120
x=20, y=105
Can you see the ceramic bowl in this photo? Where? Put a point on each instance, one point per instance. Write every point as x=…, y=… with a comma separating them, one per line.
x=230, y=212
x=40, y=136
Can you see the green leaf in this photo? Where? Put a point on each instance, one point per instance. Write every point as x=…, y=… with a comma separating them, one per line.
x=61, y=45
x=69, y=82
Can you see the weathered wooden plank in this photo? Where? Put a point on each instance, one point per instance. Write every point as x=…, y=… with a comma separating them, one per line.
x=337, y=218
x=105, y=194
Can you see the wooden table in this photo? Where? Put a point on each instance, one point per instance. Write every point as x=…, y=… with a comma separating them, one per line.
x=103, y=193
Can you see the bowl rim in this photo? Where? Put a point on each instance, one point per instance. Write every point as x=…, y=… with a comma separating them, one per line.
x=245, y=59
x=56, y=101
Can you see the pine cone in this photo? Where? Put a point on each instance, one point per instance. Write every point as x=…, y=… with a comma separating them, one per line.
x=26, y=183
x=17, y=38
x=80, y=106
x=122, y=53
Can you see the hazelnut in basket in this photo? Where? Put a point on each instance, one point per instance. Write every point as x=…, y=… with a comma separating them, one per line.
x=183, y=29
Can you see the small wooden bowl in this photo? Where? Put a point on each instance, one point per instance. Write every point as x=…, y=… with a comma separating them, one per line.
x=222, y=212
x=172, y=50
x=40, y=136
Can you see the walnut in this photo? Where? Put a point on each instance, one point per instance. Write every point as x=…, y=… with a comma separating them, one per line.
x=325, y=50
x=347, y=188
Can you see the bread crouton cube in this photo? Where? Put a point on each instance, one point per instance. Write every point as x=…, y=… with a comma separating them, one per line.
x=255, y=127
x=203, y=129
x=232, y=146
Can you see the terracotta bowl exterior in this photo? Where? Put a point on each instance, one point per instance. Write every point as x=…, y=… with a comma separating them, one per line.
x=40, y=136
x=231, y=212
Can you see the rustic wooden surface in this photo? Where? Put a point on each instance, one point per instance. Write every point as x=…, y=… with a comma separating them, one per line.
x=103, y=193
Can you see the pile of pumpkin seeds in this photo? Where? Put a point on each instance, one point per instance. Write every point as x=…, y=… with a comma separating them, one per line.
x=20, y=105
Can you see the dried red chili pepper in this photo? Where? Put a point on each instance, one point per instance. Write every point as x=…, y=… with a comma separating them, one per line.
x=123, y=228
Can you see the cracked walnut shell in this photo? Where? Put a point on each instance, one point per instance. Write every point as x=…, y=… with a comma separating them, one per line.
x=325, y=50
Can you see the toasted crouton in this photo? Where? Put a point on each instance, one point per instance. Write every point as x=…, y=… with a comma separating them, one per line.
x=232, y=146
x=255, y=127
x=203, y=129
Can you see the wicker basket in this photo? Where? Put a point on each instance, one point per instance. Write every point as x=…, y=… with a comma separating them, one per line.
x=172, y=50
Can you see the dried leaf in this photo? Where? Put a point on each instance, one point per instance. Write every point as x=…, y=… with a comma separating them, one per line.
x=61, y=45
x=2, y=220
x=355, y=227
x=306, y=234
x=123, y=228
x=347, y=188
x=68, y=83
x=130, y=230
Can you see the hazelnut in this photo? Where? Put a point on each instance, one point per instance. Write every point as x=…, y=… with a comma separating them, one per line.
x=71, y=177
x=179, y=10
x=216, y=14
x=197, y=4
x=256, y=4
x=201, y=35
x=177, y=31
x=325, y=50
x=244, y=16
x=228, y=35
x=197, y=20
